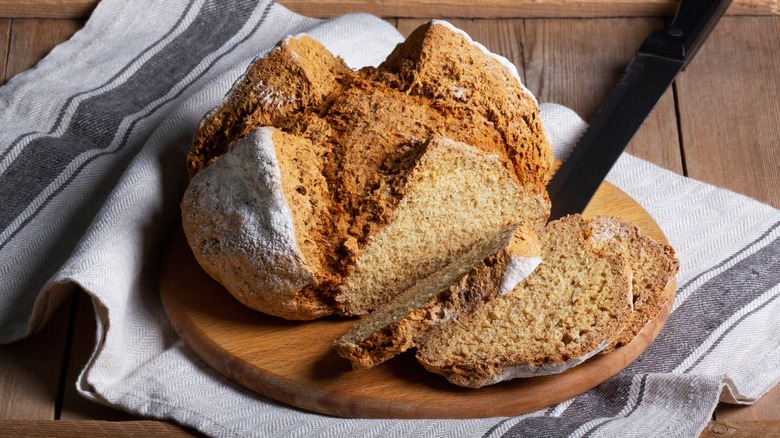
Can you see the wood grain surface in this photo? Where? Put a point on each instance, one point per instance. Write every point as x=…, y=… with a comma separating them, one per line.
x=423, y=8
x=295, y=362
x=5, y=38
x=727, y=74
x=567, y=61
x=47, y=8
x=742, y=429
x=24, y=51
x=30, y=374
x=90, y=428
x=513, y=8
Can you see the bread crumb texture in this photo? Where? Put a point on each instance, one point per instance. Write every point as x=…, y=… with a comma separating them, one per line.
x=653, y=265
x=568, y=309
x=349, y=186
x=438, y=299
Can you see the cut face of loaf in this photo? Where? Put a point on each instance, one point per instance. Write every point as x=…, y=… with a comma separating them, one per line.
x=398, y=180
x=396, y=326
x=457, y=200
x=652, y=264
x=255, y=231
x=568, y=309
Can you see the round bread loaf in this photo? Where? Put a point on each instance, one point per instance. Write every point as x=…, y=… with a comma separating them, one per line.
x=382, y=176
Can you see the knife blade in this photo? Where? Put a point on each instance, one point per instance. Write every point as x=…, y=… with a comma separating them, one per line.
x=662, y=55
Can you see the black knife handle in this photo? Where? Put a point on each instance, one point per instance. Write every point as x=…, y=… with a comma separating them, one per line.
x=694, y=21
x=663, y=54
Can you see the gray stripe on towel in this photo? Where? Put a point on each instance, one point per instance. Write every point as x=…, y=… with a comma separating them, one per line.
x=122, y=70
x=604, y=401
x=97, y=119
x=709, y=307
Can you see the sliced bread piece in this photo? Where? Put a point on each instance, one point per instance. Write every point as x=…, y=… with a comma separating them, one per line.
x=567, y=310
x=652, y=264
x=396, y=326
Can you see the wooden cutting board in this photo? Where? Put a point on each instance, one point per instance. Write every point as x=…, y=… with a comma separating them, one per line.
x=295, y=363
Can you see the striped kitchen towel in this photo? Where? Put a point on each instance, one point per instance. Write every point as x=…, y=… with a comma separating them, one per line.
x=92, y=147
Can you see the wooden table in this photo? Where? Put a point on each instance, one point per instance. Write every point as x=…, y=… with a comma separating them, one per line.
x=720, y=124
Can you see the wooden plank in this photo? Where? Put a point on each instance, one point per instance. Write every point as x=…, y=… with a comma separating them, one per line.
x=30, y=370
x=741, y=429
x=730, y=108
x=766, y=408
x=32, y=38
x=80, y=429
x=577, y=62
x=5, y=41
x=47, y=8
x=425, y=8
x=407, y=25
x=512, y=8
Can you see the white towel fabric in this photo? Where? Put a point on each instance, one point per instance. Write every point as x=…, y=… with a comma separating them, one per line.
x=92, y=146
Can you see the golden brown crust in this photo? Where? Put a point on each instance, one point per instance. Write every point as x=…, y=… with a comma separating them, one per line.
x=299, y=73
x=241, y=230
x=653, y=265
x=436, y=64
x=366, y=130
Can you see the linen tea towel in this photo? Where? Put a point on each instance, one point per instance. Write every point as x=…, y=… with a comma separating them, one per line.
x=91, y=170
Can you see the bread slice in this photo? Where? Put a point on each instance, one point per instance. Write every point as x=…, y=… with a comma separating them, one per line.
x=396, y=326
x=652, y=264
x=458, y=199
x=396, y=180
x=567, y=310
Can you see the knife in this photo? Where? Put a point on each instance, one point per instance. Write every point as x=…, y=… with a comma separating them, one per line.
x=661, y=56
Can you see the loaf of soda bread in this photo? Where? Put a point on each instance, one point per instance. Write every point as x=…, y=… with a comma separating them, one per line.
x=317, y=189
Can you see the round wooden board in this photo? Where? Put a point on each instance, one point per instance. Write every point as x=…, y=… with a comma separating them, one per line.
x=295, y=363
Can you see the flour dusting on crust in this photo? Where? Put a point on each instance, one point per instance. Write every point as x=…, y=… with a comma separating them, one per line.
x=240, y=191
